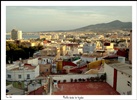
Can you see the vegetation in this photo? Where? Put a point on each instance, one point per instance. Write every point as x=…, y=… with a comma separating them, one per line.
x=16, y=50
x=16, y=84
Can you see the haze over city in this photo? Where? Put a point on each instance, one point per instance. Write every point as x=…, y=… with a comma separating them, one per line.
x=50, y=18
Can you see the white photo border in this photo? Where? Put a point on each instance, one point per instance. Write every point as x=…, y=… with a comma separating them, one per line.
x=67, y=3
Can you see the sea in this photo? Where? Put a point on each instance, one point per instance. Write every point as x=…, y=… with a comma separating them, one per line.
x=24, y=36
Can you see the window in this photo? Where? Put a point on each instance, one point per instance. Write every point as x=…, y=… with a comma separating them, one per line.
x=129, y=83
x=28, y=76
x=19, y=76
x=9, y=76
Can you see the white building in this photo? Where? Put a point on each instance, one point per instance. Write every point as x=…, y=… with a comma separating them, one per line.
x=119, y=76
x=88, y=58
x=55, y=36
x=62, y=36
x=88, y=47
x=33, y=61
x=21, y=72
x=16, y=34
x=45, y=60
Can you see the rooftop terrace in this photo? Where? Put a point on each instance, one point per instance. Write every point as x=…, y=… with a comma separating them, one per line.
x=84, y=88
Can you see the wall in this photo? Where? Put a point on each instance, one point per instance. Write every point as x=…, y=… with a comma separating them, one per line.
x=11, y=66
x=95, y=64
x=14, y=74
x=69, y=77
x=75, y=51
x=122, y=86
x=90, y=59
x=36, y=71
x=110, y=74
x=46, y=61
x=130, y=47
x=63, y=50
x=33, y=61
x=59, y=65
x=87, y=48
x=80, y=50
x=43, y=69
x=121, y=59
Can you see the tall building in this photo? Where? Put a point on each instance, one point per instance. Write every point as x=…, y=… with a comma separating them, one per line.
x=16, y=34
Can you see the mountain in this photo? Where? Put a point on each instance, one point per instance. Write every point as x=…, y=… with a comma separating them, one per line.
x=106, y=27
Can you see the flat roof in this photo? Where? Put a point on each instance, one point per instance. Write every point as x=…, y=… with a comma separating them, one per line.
x=84, y=88
x=26, y=66
x=123, y=67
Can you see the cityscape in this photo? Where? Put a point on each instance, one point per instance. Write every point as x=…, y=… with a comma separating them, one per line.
x=93, y=58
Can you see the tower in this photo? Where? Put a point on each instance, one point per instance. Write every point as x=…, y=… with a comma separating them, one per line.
x=16, y=34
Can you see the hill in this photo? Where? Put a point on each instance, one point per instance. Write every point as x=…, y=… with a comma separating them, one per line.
x=105, y=27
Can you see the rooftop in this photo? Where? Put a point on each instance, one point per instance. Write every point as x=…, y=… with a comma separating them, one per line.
x=123, y=67
x=95, y=54
x=26, y=66
x=85, y=88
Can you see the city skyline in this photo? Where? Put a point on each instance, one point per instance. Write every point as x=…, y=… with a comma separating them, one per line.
x=50, y=18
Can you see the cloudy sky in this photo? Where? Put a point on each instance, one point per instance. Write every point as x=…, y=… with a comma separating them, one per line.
x=48, y=18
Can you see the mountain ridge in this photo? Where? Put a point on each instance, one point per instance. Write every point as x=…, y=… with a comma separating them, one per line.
x=113, y=25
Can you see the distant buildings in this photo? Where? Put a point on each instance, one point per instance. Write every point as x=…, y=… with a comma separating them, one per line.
x=85, y=60
x=88, y=47
x=16, y=34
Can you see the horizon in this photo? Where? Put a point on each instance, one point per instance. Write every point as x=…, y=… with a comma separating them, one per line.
x=66, y=30
x=54, y=18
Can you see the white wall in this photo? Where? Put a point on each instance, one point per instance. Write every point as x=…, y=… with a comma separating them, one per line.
x=122, y=86
x=90, y=59
x=75, y=51
x=14, y=74
x=121, y=59
x=33, y=61
x=110, y=74
x=80, y=50
x=36, y=72
x=69, y=77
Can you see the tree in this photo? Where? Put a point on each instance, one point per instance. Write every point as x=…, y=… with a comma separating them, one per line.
x=24, y=51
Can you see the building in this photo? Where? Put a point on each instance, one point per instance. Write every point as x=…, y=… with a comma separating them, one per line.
x=130, y=47
x=62, y=36
x=48, y=52
x=63, y=50
x=119, y=76
x=80, y=85
x=46, y=36
x=88, y=48
x=16, y=34
x=21, y=72
x=45, y=64
x=14, y=91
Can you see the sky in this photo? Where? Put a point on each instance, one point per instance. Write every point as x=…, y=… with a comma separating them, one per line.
x=50, y=18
